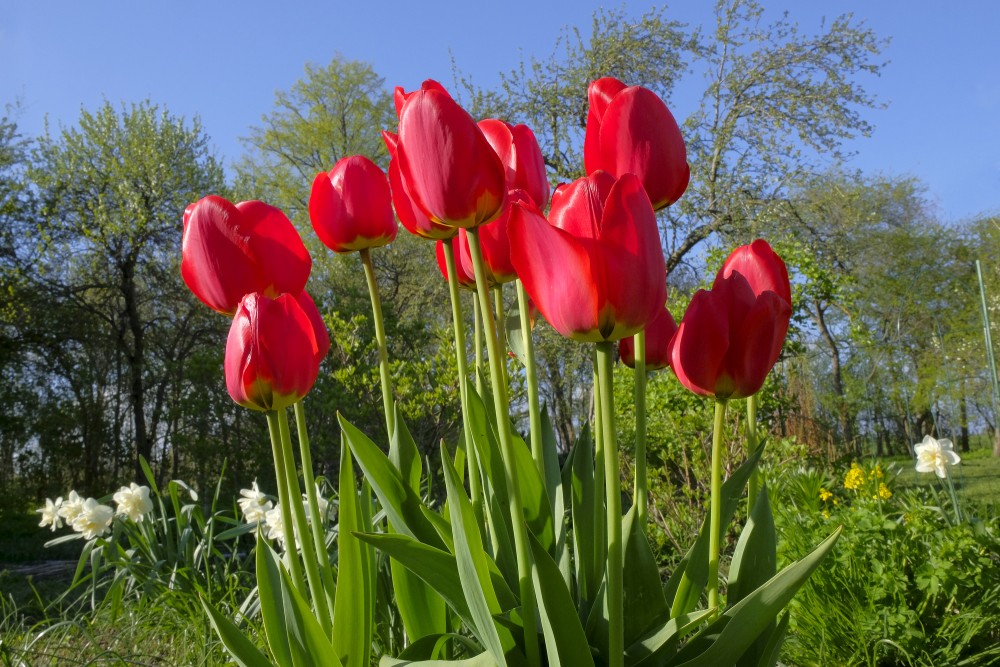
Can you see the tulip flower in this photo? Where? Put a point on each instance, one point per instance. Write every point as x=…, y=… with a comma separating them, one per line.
x=232, y=250
x=350, y=206
x=595, y=269
x=631, y=130
x=518, y=150
x=319, y=326
x=412, y=218
x=729, y=338
x=272, y=357
x=658, y=335
x=465, y=277
x=450, y=171
x=761, y=266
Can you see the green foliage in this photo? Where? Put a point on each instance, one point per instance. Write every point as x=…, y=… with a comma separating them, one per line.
x=906, y=586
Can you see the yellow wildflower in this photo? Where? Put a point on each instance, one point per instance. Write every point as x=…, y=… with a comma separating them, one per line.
x=878, y=472
x=825, y=495
x=883, y=492
x=855, y=478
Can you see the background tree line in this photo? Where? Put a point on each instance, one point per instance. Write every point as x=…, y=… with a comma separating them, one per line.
x=105, y=355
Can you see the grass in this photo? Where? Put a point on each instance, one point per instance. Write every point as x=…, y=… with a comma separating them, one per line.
x=976, y=479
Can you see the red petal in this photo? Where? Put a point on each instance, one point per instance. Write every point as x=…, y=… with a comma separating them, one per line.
x=577, y=207
x=762, y=268
x=698, y=349
x=217, y=263
x=556, y=271
x=599, y=95
x=635, y=287
x=282, y=257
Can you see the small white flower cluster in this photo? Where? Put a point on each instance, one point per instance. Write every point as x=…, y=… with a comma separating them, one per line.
x=258, y=509
x=91, y=518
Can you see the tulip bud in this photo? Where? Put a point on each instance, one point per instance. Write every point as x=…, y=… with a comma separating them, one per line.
x=658, y=335
x=518, y=150
x=631, y=130
x=272, y=357
x=350, y=206
x=228, y=251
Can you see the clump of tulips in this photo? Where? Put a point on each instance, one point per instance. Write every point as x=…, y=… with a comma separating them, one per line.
x=528, y=563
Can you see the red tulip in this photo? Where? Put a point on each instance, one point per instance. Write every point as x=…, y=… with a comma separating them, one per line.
x=399, y=96
x=519, y=152
x=450, y=171
x=411, y=217
x=351, y=208
x=631, y=130
x=465, y=277
x=228, y=251
x=658, y=335
x=272, y=357
x=596, y=272
x=762, y=268
x=729, y=339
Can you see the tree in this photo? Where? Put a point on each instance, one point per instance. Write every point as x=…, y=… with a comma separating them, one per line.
x=111, y=195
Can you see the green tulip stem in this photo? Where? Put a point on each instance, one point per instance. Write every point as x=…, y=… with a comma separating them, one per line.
x=641, y=481
x=502, y=408
x=317, y=522
x=501, y=321
x=383, y=355
x=599, y=485
x=475, y=481
x=478, y=341
x=613, y=506
x=752, y=444
x=715, y=507
x=531, y=379
x=315, y=581
x=291, y=559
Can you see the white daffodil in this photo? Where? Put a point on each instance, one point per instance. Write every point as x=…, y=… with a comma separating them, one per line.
x=50, y=514
x=133, y=501
x=322, y=503
x=71, y=507
x=254, y=505
x=935, y=456
x=94, y=519
x=275, y=526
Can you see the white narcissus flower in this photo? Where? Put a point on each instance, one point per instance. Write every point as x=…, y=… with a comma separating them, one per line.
x=322, y=503
x=935, y=456
x=94, y=519
x=275, y=526
x=254, y=504
x=50, y=514
x=133, y=501
x=71, y=507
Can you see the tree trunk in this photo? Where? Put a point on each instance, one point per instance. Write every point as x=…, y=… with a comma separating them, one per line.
x=845, y=424
x=136, y=361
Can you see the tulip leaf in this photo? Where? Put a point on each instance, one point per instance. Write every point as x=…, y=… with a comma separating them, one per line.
x=401, y=504
x=272, y=610
x=353, y=611
x=729, y=636
x=534, y=499
x=404, y=454
x=565, y=641
x=772, y=648
x=695, y=576
x=481, y=660
x=587, y=512
x=644, y=603
x=291, y=620
x=242, y=650
x=515, y=338
x=660, y=643
x=473, y=571
x=434, y=647
x=754, y=562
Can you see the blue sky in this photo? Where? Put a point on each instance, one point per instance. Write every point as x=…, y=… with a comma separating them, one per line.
x=223, y=61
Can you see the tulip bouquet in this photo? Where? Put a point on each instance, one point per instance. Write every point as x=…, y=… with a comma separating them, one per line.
x=529, y=561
